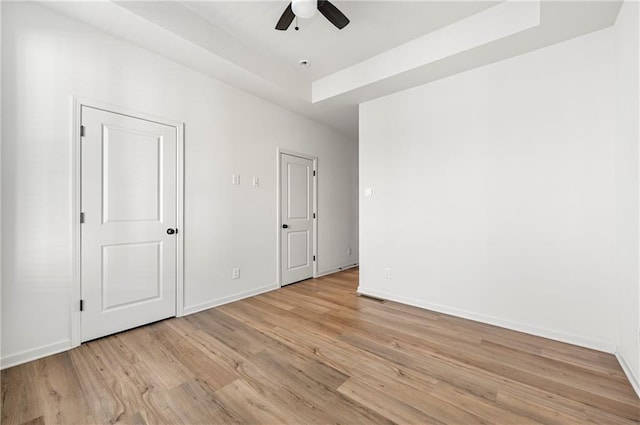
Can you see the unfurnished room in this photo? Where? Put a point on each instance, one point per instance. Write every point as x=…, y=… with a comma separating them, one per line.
x=320, y=212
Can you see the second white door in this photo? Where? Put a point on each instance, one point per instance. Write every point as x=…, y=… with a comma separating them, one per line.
x=297, y=215
x=129, y=198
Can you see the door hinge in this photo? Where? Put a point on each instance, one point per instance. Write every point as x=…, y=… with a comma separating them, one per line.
x=314, y=215
x=81, y=217
x=314, y=258
x=314, y=173
x=82, y=131
x=81, y=305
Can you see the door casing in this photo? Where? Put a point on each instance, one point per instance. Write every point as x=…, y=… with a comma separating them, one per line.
x=314, y=159
x=76, y=107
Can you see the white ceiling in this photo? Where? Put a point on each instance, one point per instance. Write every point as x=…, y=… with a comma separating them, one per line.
x=375, y=27
x=235, y=41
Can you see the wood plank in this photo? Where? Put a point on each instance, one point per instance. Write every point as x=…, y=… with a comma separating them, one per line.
x=204, y=365
x=20, y=398
x=60, y=392
x=385, y=404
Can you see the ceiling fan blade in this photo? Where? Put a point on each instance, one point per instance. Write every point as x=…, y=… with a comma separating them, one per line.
x=286, y=19
x=332, y=13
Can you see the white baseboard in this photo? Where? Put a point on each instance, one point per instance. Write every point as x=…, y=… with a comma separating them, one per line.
x=229, y=299
x=336, y=269
x=496, y=321
x=35, y=354
x=633, y=379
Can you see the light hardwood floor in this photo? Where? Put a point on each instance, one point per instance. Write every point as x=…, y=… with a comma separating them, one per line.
x=315, y=353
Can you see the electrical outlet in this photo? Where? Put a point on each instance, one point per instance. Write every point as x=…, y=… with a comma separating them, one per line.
x=348, y=251
x=235, y=179
x=235, y=273
x=387, y=272
x=255, y=181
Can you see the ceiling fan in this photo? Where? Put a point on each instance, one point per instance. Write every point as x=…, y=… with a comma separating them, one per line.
x=307, y=8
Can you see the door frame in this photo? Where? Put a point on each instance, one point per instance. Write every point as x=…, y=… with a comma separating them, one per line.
x=314, y=159
x=76, y=190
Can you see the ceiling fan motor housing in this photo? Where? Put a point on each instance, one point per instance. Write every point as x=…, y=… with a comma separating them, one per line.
x=307, y=8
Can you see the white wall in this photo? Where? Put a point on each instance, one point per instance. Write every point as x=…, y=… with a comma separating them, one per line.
x=495, y=193
x=47, y=58
x=627, y=173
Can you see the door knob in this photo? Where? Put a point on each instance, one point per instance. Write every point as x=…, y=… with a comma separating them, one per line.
x=285, y=226
x=171, y=231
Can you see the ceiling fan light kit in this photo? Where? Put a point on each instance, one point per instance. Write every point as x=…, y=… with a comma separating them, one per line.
x=307, y=8
x=304, y=8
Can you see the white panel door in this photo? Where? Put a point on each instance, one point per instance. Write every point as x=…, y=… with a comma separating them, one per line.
x=129, y=202
x=296, y=198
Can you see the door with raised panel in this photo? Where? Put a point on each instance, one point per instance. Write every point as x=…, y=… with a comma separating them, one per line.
x=129, y=204
x=296, y=207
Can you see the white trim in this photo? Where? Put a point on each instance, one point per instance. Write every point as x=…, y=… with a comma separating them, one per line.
x=336, y=269
x=35, y=353
x=491, y=320
x=180, y=222
x=76, y=157
x=633, y=379
x=109, y=107
x=76, y=235
x=278, y=219
x=229, y=299
x=281, y=151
